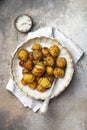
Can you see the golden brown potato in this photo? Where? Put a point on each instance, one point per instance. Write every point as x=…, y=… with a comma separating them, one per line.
x=41, y=89
x=45, y=51
x=28, y=78
x=36, y=46
x=61, y=62
x=28, y=64
x=30, y=56
x=39, y=69
x=54, y=50
x=23, y=82
x=44, y=62
x=37, y=55
x=49, y=61
x=32, y=85
x=23, y=55
x=59, y=73
x=25, y=71
x=49, y=70
x=44, y=82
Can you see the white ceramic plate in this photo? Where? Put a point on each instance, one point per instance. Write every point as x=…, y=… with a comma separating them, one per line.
x=61, y=84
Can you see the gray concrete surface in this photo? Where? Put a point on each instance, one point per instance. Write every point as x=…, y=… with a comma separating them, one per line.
x=69, y=110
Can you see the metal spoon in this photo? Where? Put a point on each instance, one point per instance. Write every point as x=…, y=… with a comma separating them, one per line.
x=45, y=104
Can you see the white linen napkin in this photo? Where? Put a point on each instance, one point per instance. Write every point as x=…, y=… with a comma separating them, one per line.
x=76, y=53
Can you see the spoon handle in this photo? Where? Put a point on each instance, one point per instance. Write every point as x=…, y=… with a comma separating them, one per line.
x=45, y=104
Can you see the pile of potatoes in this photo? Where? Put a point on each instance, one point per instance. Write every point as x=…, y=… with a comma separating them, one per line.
x=40, y=66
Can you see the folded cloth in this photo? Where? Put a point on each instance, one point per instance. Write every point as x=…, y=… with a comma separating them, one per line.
x=75, y=51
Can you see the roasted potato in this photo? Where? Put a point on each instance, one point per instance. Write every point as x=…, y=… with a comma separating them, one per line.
x=41, y=89
x=45, y=51
x=54, y=50
x=49, y=60
x=61, y=62
x=59, y=73
x=28, y=78
x=32, y=85
x=23, y=82
x=37, y=55
x=39, y=69
x=36, y=46
x=44, y=82
x=49, y=70
x=23, y=55
x=28, y=64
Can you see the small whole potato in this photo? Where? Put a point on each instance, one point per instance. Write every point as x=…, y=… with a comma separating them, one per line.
x=45, y=51
x=39, y=69
x=28, y=64
x=36, y=46
x=59, y=73
x=49, y=60
x=28, y=78
x=49, y=70
x=37, y=55
x=41, y=89
x=23, y=82
x=44, y=82
x=32, y=85
x=54, y=50
x=23, y=55
x=61, y=62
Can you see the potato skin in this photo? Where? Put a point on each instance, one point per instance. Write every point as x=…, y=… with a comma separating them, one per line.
x=41, y=89
x=32, y=85
x=28, y=64
x=37, y=55
x=28, y=78
x=61, y=62
x=54, y=50
x=49, y=70
x=36, y=46
x=49, y=60
x=45, y=51
x=39, y=69
x=23, y=54
x=44, y=82
x=23, y=82
x=59, y=73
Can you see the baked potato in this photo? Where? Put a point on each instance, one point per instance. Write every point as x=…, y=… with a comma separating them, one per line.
x=36, y=46
x=23, y=54
x=59, y=73
x=45, y=51
x=32, y=85
x=39, y=69
x=44, y=82
x=54, y=50
x=49, y=60
x=28, y=78
x=30, y=56
x=41, y=89
x=61, y=62
x=23, y=82
x=37, y=55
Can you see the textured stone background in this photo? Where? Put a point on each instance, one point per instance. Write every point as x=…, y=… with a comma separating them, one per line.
x=69, y=110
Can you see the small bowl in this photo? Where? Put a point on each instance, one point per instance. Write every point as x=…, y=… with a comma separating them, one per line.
x=23, y=23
